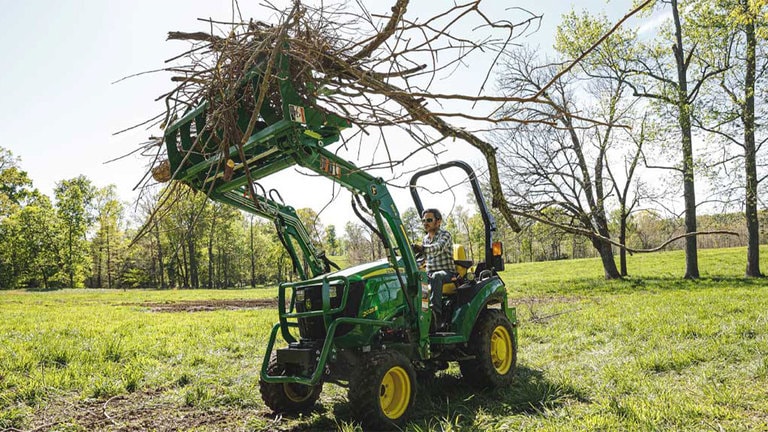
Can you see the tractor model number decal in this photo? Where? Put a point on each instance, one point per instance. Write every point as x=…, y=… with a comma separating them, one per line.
x=331, y=168
x=297, y=113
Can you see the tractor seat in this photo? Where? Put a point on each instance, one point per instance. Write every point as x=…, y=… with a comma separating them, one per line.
x=462, y=266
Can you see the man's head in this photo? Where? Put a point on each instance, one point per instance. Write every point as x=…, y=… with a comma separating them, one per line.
x=432, y=219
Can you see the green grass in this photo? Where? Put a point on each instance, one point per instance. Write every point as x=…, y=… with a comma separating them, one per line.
x=340, y=260
x=652, y=352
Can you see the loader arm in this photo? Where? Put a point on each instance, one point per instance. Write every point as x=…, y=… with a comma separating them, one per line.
x=293, y=131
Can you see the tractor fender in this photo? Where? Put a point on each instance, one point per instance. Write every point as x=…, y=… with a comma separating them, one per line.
x=492, y=295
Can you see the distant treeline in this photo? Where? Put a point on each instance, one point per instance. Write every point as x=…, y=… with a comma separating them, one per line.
x=85, y=238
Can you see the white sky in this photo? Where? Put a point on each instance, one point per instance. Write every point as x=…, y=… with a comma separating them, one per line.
x=59, y=110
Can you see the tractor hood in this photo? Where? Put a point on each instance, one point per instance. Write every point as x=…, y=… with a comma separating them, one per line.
x=364, y=271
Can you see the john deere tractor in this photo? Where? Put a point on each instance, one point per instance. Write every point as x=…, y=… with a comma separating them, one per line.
x=367, y=327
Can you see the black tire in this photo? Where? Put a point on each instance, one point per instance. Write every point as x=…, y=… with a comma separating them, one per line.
x=285, y=397
x=495, y=350
x=382, y=390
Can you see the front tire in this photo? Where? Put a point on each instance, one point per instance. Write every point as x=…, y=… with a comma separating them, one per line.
x=382, y=390
x=495, y=351
x=287, y=397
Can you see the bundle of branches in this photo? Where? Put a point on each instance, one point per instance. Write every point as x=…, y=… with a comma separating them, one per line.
x=374, y=71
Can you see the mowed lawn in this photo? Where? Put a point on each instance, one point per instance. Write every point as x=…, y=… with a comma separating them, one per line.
x=651, y=352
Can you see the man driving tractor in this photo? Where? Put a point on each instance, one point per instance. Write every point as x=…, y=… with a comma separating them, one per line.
x=437, y=246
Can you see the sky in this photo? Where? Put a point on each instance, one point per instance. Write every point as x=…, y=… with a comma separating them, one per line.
x=60, y=104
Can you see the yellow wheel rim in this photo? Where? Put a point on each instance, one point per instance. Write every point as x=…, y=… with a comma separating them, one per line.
x=395, y=392
x=297, y=392
x=501, y=350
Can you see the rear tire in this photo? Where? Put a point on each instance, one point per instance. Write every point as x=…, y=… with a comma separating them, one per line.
x=287, y=397
x=495, y=350
x=382, y=390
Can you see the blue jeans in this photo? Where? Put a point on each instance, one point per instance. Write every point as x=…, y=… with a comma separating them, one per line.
x=436, y=281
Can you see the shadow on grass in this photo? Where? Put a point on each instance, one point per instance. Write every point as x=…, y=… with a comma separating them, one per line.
x=586, y=286
x=42, y=290
x=447, y=398
x=531, y=393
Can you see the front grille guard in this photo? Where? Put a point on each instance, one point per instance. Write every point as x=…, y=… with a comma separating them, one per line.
x=331, y=325
x=322, y=355
x=326, y=312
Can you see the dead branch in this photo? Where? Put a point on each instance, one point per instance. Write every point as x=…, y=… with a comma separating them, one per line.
x=373, y=78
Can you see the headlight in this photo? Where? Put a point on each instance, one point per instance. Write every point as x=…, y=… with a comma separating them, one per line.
x=333, y=291
x=299, y=295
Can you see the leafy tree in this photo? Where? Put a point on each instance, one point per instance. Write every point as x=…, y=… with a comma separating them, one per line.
x=672, y=80
x=147, y=251
x=652, y=228
x=331, y=241
x=39, y=242
x=14, y=183
x=14, y=189
x=182, y=225
x=231, y=249
x=737, y=29
x=357, y=243
x=268, y=253
x=107, y=245
x=74, y=199
x=458, y=224
x=412, y=222
x=311, y=221
x=12, y=259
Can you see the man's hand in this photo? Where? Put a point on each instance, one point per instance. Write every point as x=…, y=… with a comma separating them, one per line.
x=417, y=248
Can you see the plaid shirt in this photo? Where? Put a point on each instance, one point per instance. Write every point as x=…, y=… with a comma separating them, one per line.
x=439, y=252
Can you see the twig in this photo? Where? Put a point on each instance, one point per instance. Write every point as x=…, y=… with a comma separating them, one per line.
x=104, y=410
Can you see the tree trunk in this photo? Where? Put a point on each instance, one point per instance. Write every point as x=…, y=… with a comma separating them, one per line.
x=750, y=156
x=227, y=273
x=71, y=263
x=469, y=240
x=219, y=265
x=253, y=259
x=605, y=251
x=160, y=255
x=98, y=268
x=184, y=268
x=109, y=262
x=193, y=279
x=684, y=119
x=623, y=241
x=210, y=249
x=691, y=250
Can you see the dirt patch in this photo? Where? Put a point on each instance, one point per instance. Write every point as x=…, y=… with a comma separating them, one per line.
x=207, y=305
x=541, y=309
x=139, y=411
x=544, y=300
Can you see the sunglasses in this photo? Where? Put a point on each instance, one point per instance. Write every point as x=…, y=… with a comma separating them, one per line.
x=428, y=220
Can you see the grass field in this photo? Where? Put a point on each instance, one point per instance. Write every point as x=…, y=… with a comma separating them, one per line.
x=651, y=352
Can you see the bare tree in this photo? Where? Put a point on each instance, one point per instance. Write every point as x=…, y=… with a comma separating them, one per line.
x=605, y=70
x=560, y=167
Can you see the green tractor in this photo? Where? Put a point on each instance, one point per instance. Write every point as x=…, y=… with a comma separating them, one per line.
x=367, y=327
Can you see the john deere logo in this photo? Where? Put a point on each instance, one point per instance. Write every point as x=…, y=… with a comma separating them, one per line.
x=308, y=303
